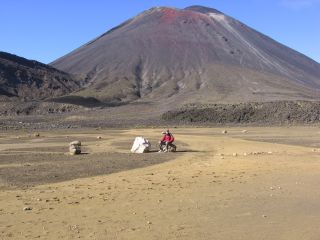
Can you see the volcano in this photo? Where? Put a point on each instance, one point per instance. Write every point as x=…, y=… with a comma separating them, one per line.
x=196, y=54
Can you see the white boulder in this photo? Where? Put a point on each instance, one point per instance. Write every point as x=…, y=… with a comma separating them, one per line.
x=75, y=148
x=141, y=145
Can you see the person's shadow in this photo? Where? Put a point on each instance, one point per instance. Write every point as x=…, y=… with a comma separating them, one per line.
x=178, y=151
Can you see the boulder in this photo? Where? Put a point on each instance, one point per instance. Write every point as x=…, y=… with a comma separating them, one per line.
x=141, y=145
x=75, y=147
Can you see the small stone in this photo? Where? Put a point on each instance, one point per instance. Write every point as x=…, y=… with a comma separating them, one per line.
x=279, y=187
x=234, y=154
x=149, y=223
x=99, y=137
x=269, y=152
x=264, y=216
x=27, y=208
x=271, y=188
x=244, y=131
x=245, y=154
x=224, y=132
x=36, y=135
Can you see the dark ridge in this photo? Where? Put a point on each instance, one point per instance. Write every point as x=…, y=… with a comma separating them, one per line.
x=26, y=62
x=31, y=80
x=89, y=102
x=269, y=112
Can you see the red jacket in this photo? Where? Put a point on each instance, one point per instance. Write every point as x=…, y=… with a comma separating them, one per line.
x=167, y=138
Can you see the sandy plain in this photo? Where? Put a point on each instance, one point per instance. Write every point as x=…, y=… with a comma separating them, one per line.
x=258, y=184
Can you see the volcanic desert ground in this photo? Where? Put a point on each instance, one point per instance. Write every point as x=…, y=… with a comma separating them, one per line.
x=223, y=183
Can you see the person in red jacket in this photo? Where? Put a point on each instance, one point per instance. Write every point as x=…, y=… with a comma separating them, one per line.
x=166, y=140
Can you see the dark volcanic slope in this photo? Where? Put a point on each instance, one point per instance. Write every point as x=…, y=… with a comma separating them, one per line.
x=31, y=80
x=196, y=54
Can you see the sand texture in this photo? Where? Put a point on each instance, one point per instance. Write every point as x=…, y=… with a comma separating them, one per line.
x=262, y=183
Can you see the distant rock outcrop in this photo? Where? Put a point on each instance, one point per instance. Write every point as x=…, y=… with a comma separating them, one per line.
x=300, y=112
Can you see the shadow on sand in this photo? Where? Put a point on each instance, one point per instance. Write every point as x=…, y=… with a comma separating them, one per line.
x=178, y=151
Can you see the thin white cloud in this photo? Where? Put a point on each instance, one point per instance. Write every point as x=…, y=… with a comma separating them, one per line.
x=299, y=4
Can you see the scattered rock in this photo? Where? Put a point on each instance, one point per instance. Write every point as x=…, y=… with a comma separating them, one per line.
x=36, y=135
x=224, y=132
x=75, y=148
x=99, y=137
x=234, y=154
x=244, y=131
x=27, y=208
x=264, y=216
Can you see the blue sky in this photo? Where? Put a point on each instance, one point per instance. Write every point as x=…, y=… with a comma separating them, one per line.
x=47, y=29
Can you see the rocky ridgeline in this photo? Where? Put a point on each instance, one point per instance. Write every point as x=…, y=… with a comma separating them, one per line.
x=35, y=108
x=284, y=112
